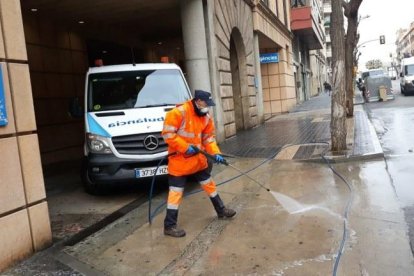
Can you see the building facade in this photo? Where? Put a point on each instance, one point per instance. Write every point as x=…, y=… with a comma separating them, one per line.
x=46, y=48
x=327, y=11
x=405, y=42
x=306, y=24
x=272, y=36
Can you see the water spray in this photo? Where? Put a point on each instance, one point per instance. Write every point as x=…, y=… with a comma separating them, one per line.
x=211, y=157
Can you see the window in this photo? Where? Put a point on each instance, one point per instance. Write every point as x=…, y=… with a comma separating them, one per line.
x=266, y=2
x=277, y=9
x=409, y=70
x=285, y=12
x=297, y=3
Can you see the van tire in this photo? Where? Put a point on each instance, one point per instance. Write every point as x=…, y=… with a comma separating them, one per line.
x=90, y=186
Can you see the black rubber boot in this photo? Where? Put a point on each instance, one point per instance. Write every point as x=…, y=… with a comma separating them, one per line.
x=222, y=211
x=170, y=224
x=226, y=213
x=174, y=231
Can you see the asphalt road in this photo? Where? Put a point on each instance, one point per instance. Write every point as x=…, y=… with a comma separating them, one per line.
x=393, y=121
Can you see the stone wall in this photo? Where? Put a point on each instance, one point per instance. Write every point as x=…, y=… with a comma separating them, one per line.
x=278, y=82
x=228, y=17
x=279, y=94
x=24, y=217
x=58, y=62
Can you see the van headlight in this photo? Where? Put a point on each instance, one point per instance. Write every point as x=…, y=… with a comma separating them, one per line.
x=98, y=144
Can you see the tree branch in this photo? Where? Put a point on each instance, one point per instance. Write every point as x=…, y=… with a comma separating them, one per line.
x=346, y=7
x=354, y=7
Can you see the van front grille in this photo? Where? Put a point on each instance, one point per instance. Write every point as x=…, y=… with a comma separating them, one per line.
x=148, y=143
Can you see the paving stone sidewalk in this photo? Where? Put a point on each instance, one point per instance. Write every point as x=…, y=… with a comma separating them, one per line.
x=304, y=133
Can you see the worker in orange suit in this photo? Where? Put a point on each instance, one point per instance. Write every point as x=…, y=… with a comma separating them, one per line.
x=187, y=129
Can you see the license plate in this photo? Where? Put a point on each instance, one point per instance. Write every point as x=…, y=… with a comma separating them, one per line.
x=151, y=171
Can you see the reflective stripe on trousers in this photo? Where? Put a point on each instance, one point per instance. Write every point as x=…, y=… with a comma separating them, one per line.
x=176, y=192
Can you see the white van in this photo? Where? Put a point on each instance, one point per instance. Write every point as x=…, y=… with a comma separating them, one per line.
x=125, y=107
x=407, y=75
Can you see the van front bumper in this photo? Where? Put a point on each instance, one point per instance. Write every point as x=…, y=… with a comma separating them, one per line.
x=408, y=87
x=107, y=168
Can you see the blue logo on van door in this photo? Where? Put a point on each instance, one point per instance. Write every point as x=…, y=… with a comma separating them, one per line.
x=138, y=121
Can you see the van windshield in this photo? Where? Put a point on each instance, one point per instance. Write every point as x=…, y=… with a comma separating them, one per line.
x=133, y=89
x=409, y=70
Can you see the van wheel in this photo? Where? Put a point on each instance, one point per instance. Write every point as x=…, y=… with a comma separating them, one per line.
x=90, y=186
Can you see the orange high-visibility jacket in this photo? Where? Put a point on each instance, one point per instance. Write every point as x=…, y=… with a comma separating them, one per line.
x=182, y=128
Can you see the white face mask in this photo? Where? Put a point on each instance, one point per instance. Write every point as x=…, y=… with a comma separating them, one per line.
x=203, y=110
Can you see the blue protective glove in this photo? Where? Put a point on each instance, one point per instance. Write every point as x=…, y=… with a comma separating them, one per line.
x=191, y=150
x=219, y=159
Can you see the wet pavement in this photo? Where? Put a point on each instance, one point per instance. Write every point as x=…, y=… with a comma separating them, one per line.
x=393, y=123
x=72, y=210
x=264, y=238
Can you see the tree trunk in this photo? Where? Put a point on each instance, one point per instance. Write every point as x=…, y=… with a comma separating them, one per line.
x=351, y=12
x=338, y=113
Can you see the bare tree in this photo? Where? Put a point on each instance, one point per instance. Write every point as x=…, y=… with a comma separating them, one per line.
x=351, y=12
x=373, y=64
x=338, y=104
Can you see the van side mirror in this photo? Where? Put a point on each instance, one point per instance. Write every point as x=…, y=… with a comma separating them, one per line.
x=75, y=108
x=401, y=75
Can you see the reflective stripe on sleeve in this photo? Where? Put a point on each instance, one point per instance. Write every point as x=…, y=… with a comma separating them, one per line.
x=168, y=135
x=209, y=140
x=213, y=194
x=182, y=126
x=186, y=134
x=169, y=128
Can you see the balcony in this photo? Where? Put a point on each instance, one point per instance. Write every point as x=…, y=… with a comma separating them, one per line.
x=306, y=22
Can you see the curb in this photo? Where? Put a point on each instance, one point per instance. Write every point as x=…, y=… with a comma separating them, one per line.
x=378, y=152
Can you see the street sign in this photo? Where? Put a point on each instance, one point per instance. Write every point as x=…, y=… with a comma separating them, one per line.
x=3, y=112
x=269, y=58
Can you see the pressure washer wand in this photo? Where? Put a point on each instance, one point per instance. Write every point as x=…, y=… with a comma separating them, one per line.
x=249, y=177
x=211, y=157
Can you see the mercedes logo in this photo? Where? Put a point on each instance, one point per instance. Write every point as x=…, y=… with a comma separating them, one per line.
x=151, y=142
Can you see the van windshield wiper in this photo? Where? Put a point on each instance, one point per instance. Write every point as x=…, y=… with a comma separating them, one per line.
x=155, y=105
